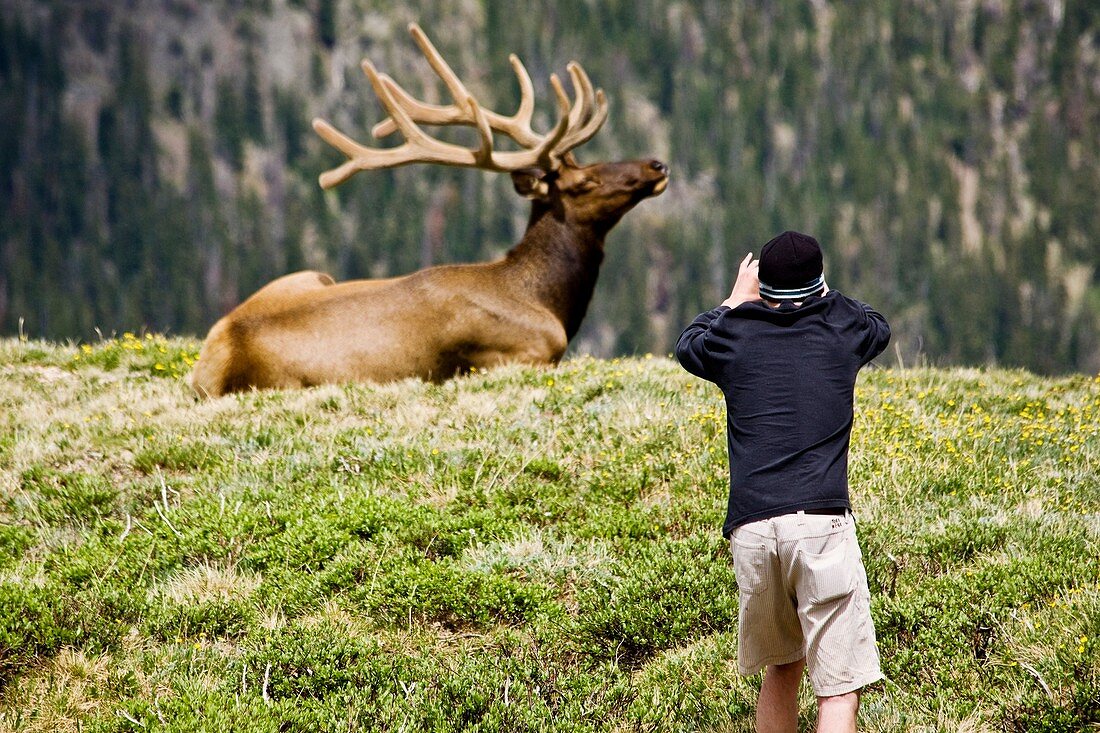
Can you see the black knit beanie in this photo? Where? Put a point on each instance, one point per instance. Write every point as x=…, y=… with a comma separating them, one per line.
x=791, y=268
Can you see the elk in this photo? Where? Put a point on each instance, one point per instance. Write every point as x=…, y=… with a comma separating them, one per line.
x=305, y=329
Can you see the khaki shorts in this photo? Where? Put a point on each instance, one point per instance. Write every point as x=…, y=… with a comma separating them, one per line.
x=804, y=593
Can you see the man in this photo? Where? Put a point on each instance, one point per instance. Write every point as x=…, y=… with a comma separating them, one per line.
x=785, y=351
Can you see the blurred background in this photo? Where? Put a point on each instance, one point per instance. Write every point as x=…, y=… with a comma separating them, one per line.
x=157, y=163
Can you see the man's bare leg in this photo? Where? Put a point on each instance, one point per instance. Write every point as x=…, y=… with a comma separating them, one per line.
x=837, y=714
x=777, y=707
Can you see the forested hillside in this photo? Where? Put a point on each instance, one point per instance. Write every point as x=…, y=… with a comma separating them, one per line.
x=157, y=164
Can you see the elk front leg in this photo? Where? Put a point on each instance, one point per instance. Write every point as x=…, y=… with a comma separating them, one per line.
x=538, y=342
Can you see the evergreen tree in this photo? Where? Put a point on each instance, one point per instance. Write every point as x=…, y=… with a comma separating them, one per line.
x=230, y=123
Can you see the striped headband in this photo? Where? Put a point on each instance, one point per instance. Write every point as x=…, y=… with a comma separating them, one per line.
x=803, y=291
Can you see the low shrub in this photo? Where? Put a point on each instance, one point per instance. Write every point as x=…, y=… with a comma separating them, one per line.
x=664, y=594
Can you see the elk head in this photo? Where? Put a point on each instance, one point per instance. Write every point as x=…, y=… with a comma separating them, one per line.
x=592, y=195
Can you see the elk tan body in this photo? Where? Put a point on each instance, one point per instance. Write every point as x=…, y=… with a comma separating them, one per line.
x=305, y=329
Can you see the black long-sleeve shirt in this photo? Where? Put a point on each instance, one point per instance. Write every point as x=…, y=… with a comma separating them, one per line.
x=788, y=375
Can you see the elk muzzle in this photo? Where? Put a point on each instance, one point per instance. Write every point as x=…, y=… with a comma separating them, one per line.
x=661, y=183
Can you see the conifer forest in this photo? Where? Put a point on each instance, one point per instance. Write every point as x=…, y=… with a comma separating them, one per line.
x=157, y=162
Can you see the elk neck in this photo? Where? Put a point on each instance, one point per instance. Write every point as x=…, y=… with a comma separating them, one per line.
x=557, y=263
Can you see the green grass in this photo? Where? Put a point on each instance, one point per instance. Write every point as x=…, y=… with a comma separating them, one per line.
x=518, y=550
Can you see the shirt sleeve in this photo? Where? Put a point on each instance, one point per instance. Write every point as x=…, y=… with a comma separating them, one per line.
x=876, y=334
x=691, y=349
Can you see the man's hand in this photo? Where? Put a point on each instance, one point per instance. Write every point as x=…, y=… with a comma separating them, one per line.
x=747, y=286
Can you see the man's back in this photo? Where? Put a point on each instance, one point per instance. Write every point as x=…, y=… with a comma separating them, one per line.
x=788, y=375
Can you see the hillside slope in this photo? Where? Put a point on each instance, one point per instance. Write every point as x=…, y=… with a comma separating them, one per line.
x=517, y=550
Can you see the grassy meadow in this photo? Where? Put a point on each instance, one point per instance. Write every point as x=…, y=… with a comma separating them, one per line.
x=517, y=550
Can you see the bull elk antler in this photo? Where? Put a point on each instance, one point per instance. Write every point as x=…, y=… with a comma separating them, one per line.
x=577, y=123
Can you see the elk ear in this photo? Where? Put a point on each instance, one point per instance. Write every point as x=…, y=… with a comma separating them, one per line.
x=582, y=184
x=531, y=183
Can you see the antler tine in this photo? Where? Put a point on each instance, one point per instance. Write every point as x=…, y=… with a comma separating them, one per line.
x=589, y=112
x=484, y=154
x=582, y=106
x=439, y=65
x=382, y=84
x=526, y=107
x=578, y=137
x=345, y=145
x=517, y=127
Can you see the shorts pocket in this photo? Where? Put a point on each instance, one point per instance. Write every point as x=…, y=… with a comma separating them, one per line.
x=830, y=575
x=750, y=566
